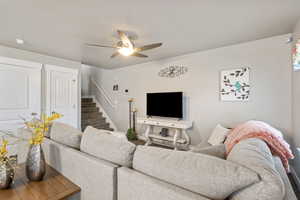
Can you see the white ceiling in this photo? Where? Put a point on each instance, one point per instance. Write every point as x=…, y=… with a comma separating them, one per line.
x=61, y=27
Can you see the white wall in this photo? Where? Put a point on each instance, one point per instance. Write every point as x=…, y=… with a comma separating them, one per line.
x=270, y=63
x=85, y=80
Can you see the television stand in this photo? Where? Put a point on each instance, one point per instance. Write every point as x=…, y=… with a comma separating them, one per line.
x=180, y=137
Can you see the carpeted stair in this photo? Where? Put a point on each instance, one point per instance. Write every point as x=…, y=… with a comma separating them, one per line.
x=91, y=116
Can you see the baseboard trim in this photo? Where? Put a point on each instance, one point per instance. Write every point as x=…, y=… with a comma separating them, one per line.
x=295, y=177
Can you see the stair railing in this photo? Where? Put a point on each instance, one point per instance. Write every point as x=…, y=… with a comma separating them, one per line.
x=104, y=94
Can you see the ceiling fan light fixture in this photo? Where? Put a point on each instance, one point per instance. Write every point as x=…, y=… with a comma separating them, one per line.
x=126, y=51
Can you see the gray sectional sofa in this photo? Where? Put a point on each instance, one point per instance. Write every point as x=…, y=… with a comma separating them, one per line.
x=111, y=168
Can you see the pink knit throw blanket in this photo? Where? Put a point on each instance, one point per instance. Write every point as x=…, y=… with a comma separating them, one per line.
x=261, y=130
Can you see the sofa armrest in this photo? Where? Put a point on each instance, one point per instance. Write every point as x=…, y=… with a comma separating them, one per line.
x=217, y=151
x=97, y=178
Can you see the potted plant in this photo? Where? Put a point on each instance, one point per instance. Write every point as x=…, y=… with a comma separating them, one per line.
x=35, y=163
x=131, y=134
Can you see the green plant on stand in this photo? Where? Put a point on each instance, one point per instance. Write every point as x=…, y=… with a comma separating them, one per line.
x=131, y=134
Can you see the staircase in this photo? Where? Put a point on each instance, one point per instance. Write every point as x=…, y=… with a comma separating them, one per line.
x=91, y=116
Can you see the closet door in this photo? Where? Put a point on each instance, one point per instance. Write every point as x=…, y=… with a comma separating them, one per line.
x=62, y=93
x=20, y=92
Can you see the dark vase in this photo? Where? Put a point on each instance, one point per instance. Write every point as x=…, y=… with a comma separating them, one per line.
x=7, y=174
x=35, y=163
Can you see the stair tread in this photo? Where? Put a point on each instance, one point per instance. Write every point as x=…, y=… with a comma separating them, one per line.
x=86, y=100
x=93, y=121
x=96, y=124
x=90, y=110
x=91, y=114
x=88, y=104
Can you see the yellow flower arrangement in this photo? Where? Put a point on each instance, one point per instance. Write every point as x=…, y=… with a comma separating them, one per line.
x=40, y=126
x=3, y=151
x=4, y=157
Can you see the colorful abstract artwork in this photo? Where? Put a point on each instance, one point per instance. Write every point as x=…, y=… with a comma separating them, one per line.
x=235, y=84
x=296, y=56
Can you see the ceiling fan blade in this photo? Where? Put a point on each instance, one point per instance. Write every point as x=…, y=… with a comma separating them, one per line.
x=126, y=41
x=115, y=54
x=98, y=45
x=139, y=55
x=148, y=47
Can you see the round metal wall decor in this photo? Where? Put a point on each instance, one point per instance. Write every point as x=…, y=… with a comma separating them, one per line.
x=173, y=71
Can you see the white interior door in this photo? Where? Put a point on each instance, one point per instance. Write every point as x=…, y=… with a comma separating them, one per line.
x=62, y=93
x=20, y=92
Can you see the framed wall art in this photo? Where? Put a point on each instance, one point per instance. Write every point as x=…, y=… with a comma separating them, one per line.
x=235, y=84
x=296, y=56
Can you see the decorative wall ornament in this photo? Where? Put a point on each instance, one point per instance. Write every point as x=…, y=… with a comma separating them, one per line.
x=235, y=84
x=296, y=56
x=173, y=71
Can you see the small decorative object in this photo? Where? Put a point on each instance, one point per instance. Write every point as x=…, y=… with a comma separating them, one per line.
x=164, y=132
x=235, y=84
x=130, y=110
x=7, y=165
x=115, y=87
x=35, y=163
x=173, y=71
x=131, y=134
x=296, y=56
x=134, y=118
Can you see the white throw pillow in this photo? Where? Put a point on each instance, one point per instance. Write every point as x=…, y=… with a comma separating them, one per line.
x=66, y=134
x=120, y=135
x=104, y=145
x=218, y=135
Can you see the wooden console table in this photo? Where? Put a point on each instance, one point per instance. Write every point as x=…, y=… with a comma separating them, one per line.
x=54, y=187
x=180, y=136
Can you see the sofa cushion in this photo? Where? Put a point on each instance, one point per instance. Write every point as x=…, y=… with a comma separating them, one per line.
x=66, y=134
x=107, y=146
x=255, y=155
x=206, y=175
x=133, y=185
x=216, y=150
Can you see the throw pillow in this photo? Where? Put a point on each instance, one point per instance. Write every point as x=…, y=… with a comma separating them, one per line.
x=217, y=150
x=218, y=135
x=66, y=134
x=104, y=145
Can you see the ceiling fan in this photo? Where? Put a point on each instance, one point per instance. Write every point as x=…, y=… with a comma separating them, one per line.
x=126, y=47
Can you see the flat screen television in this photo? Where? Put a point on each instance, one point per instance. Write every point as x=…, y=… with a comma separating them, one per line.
x=168, y=104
